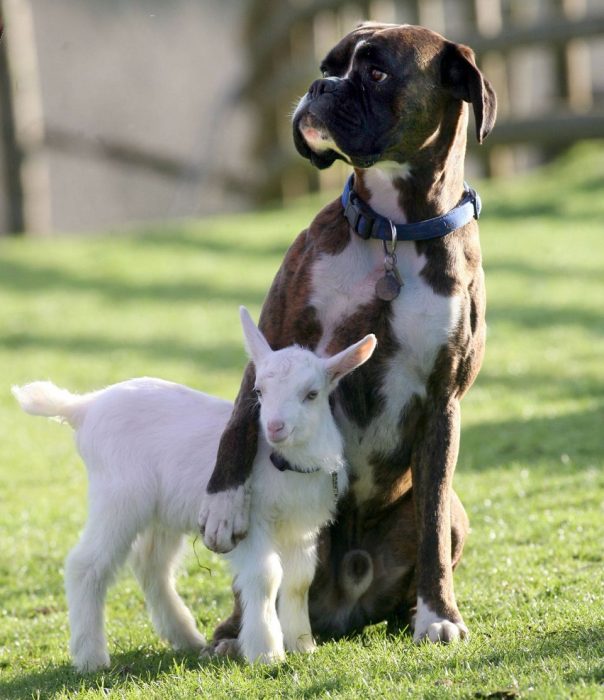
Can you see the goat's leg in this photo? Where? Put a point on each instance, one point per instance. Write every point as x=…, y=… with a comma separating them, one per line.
x=89, y=570
x=155, y=556
x=258, y=577
x=299, y=563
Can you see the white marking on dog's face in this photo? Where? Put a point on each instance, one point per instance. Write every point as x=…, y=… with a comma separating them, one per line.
x=320, y=140
x=353, y=56
x=302, y=103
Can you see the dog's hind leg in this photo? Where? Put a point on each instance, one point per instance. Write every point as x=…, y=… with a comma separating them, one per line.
x=155, y=556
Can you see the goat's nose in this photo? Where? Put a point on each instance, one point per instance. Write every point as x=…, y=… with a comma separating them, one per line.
x=323, y=85
x=275, y=429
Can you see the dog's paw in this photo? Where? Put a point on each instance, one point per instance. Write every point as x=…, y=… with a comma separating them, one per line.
x=443, y=631
x=224, y=518
x=431, y=627
x=228, y=648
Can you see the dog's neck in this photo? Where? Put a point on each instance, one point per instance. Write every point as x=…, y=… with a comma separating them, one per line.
x=425, y=185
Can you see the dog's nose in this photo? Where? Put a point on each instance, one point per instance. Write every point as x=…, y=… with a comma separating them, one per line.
x=276, y=430
x=323, y=85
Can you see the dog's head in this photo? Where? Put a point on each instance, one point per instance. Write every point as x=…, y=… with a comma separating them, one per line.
x=386, y=91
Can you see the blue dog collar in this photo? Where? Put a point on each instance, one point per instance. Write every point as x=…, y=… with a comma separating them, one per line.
x=369, y=224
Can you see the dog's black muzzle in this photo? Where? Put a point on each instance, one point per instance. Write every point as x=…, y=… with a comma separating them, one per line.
x=331, y=104
x=322, y=86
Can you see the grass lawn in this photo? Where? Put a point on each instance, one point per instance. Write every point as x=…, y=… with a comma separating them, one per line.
x=89, y=311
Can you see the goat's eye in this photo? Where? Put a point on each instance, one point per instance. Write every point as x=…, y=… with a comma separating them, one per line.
x=378, y=76
x=258, y=392
x=312, y=395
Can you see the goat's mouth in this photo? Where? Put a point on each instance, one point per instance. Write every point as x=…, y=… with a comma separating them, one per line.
x=275, y=440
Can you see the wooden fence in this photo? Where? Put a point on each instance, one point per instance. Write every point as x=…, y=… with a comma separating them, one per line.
x=538, y=55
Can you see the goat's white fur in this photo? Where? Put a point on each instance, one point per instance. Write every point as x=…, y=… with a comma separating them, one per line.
x=149, y=447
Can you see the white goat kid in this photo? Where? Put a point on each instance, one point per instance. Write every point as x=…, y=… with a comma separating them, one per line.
x=149, y=447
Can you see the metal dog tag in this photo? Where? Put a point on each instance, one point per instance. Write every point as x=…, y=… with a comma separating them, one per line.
x=389, y=286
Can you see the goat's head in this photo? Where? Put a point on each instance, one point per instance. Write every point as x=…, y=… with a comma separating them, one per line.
x=293, y=384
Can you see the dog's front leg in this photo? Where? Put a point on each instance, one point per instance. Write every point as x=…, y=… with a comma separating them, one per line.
x=437, y=617
x=224, y=514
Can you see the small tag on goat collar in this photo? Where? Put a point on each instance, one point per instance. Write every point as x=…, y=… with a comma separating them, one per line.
x=334, y=486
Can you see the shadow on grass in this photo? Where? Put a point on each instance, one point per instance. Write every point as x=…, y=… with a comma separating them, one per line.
x=555, y=210
x=135, y=665
x=578, y=435
x=227, y=356
x=535, y=317
x=528, y=654
x=532, y=271
x=532, y=652
x=30, y=279
x=234, y=242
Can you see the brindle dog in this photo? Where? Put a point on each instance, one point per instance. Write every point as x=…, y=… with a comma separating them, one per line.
x=393, y=103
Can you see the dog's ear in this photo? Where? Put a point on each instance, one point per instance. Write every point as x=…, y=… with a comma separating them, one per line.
x=460, y=75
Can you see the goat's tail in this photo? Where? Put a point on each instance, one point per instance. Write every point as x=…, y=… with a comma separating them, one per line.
x=47, y=399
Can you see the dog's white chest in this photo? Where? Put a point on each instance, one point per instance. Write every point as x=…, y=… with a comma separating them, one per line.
x=421, y=323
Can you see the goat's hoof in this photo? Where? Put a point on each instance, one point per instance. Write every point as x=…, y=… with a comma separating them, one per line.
x=92, y=662
x=189, y=642
x=224, y=518
x=269, y=657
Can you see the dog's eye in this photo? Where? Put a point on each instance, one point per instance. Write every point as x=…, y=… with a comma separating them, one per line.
x=378, y=76
x=312, y=395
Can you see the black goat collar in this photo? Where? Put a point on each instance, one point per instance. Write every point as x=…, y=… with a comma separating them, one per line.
x=284, y=466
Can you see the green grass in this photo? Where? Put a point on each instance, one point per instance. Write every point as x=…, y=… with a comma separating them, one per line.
x=93, y=310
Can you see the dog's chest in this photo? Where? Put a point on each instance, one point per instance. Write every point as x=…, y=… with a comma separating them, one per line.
x=419, y=322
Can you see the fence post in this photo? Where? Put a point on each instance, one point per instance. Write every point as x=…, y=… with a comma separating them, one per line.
x=573, y=62
x=26, y=169
x=9, y=152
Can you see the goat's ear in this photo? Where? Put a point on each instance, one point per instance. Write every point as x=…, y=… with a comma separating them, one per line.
x=354, y=356
x=460, y=75
x=255, y=343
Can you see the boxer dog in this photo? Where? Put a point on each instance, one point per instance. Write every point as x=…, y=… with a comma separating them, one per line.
x=398, y=255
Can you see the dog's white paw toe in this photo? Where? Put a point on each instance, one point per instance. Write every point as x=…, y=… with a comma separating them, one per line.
x=430, y=627
x=446, y=631
x=224, y=518
x=228, y=648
